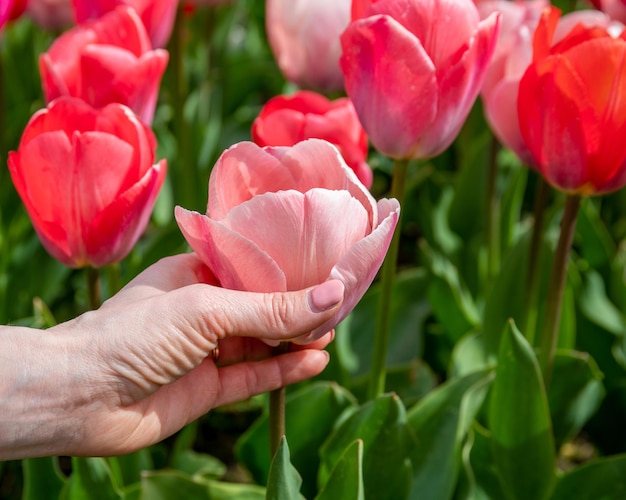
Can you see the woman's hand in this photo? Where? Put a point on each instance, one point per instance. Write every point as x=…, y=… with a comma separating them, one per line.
x=139, y=368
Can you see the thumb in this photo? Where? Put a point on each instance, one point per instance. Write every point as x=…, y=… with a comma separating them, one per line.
x=274, y=316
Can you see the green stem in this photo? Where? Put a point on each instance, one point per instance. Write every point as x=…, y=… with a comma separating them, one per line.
x=550, y=334
x=383, y=320
x=93, y=287
x=493, y=214
x=186, y=185
x=277, y=408
x=528, y=325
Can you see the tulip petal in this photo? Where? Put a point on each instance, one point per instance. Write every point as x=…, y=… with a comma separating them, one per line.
x=237, y=263
x=359, y=266
x=391, y=80
x=305, y=234
x=115, y=230
x=245, y=170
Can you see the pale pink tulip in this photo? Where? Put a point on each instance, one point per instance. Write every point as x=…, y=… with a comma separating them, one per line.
x=304, y=36
x=513, y=54
x=413, y=69
x=286, y=218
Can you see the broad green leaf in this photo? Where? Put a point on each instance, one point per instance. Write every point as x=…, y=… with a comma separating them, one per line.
x=519, y=418
x=575, y=393
x=42, y=478
x=601, y=479
x=451, y=302
x=284, y=482
x=382, y=426
x=91, y=479
x=346, y=478
x=597, y=307
x=440, y=422
x=310, y=415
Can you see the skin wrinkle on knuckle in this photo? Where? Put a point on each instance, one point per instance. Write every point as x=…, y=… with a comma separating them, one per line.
x=281, y=314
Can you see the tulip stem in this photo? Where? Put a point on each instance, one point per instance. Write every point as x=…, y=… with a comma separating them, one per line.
x=93, y=287
x=186, y=184
x=528, y=325
x=388, y=275
x=550, y=334
x=277, y=408
x=493, y=214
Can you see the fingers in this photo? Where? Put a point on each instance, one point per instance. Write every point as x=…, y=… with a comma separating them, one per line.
x=240, y=381
x=238, y=349
x=273, y=316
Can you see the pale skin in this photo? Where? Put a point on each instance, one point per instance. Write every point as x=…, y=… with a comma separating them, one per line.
x=139, y=368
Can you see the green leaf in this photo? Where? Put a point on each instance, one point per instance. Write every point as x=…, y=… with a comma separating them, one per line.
x=469, y=356
x=91, y=479
x=284, y=482
x=451, y=301
x=382, y=426
x=575, y=393
x=596, y=244
x=42, y=478
x=199, y=464
x=346, y=478
x=440, y=422
x=519, y=418
x=511, y=203
x=601, y=479
x=310, y=414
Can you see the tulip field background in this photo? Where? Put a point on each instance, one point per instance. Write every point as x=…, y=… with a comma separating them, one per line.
x=465, y=413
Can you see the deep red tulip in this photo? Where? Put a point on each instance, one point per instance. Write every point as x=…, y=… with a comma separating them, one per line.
x=286, y=218
x=157, y=15
x=88, y=180
x=287, y=120
x=104, y=61
x=413, y=69
x=51, y=14
x=304, y=36
x=572, y=107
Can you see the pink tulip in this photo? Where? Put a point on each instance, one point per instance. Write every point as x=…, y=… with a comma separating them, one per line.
x=105, y=61
x=157, y=15
x=513, y=54
x=615, y=9
x=287, y=120
x=87, y=179
x=304, y=36
x=285, y=218
x=413, y=69
x=51, y=14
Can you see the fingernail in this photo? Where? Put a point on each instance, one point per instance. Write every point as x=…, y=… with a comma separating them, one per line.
x=326, y=296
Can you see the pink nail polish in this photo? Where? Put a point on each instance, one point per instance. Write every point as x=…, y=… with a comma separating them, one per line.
x=326, y=296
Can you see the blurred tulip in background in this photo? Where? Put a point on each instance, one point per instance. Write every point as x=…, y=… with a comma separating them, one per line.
x=413, y=69
x=51, y=14
x=304, y=37
x=105, y=61
x=287, y=120
x=572, y=107
x=88, y=180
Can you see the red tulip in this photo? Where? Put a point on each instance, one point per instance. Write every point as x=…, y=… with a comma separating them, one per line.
x=105, y=61
x=512, y=56
x=572, y=107
x=287, y=120
x=87, y=179
x=157, y=15
x=285, y=218
x=413, y=69
x=304, y=36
